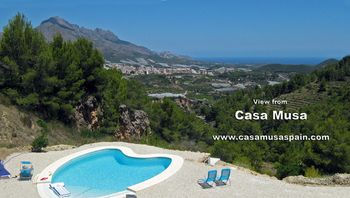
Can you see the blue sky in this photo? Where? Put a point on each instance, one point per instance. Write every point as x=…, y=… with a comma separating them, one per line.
x=208, y=28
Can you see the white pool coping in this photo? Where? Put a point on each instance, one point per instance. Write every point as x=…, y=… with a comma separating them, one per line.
x=175, y=165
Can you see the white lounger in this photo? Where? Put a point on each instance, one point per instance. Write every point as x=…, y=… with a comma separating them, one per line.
x=59, y=189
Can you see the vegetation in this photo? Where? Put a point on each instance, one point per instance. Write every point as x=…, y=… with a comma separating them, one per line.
x=286, y=68
x=41, y=141
x=49, y=78
x=53, y=78
x=312, y=172
x=328, y=115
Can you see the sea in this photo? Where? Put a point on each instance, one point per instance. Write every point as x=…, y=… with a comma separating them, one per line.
x=265, y=60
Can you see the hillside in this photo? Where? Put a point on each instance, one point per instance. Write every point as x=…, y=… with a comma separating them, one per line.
x=286, y=68
x=327, y=62
x=18, y=129
x=65, y=82
x=308, y=95
x=113, y=48
x=322, y=94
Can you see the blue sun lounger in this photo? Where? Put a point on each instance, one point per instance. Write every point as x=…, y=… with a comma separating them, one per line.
x=210, y=181
x=26, y=171
x=224, y=179
x=3, y=172
x=59, y=189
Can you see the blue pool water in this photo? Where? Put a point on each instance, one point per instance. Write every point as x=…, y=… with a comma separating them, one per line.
x=106, y=172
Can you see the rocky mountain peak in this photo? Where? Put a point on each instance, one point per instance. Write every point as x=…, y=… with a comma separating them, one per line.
x=56, y=20
x=106, y=34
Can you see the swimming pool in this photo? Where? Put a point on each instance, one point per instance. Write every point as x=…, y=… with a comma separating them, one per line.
x=108, y=171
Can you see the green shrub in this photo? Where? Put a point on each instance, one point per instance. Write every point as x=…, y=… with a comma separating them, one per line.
x=39, y=143
x=289, y=169
x=322, y=86
x=312, y=172
x=243, y=161
x=42, y=124
x=87, y=133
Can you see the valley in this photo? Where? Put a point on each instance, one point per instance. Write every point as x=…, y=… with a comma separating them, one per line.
x=62, y=85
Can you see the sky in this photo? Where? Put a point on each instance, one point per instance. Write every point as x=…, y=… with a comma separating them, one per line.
x=208, y=28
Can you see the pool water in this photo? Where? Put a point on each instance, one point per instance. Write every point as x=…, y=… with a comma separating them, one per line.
x=107, y=171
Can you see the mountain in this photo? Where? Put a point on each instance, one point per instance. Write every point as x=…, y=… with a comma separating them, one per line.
x=113, y=48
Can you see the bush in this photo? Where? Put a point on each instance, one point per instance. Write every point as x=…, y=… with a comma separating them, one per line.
x=243, y=161
x=312, y=172
x=39, y=143
x=43, y=125
x=87, y=133
x=322, y=86
x=289, y=169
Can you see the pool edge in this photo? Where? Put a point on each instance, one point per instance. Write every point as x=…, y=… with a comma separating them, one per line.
x=174, y=166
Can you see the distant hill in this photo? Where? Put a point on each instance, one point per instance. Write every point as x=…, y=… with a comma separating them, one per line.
x=113, y=48
x=286, y=68
x=326, y=62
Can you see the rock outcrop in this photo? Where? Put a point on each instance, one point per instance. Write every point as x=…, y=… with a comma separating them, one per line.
x=337, y=179
x=87, y=114
x=133, y=124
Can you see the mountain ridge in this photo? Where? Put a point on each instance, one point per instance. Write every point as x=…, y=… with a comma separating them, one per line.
x=112, y=47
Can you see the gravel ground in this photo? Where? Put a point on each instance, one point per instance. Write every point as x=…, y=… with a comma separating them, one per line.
x=244, y=183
